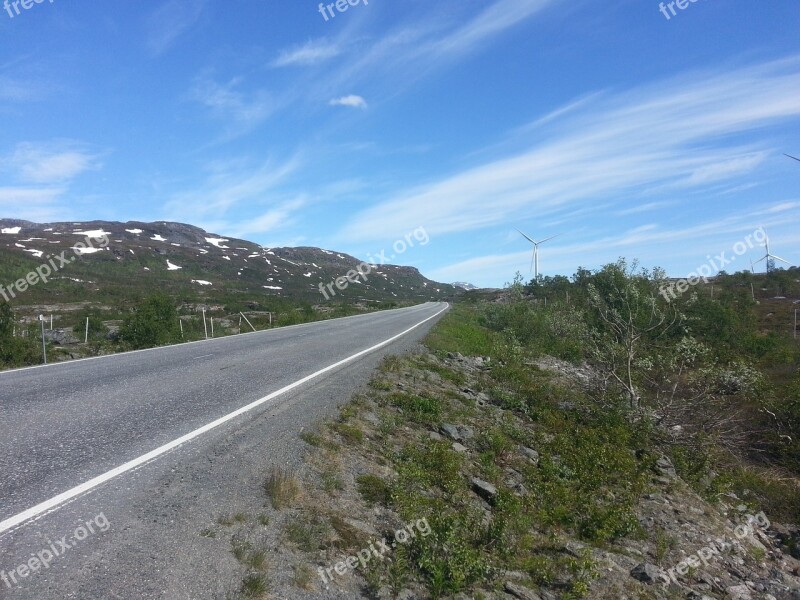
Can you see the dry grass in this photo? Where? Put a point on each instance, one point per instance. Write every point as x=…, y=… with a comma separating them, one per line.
x=282, y=487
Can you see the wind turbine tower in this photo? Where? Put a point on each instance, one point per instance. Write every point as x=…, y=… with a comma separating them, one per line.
x=535, y=257
x=769, y=257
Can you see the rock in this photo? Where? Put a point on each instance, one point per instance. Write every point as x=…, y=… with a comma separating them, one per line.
x=451, y=431
x=60, y=337
x=435, y=436
x=467, y=433
x=484, y=489
x=459, y=448
x=521, y=592
x=646, y=573
x=371, y=417
x=665, y=468
x=739, y=592
x=531, y=454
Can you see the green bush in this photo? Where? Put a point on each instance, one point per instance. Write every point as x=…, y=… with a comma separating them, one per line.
x=16, y=351
x=154, y=322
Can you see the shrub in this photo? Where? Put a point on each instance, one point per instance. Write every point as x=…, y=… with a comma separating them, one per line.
x=154, y=322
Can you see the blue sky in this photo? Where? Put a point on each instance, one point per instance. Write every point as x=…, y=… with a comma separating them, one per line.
x=627, y=133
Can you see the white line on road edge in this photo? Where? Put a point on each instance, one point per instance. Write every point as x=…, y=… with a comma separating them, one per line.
x=54, y=502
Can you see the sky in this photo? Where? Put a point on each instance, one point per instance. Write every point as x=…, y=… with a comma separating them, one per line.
x=628, y=128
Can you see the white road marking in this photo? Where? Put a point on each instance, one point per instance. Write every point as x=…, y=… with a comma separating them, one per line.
x=204, y=356
x=56, y=501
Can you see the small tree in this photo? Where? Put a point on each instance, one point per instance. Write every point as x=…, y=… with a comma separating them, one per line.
x=627, y=320
x=15, y=351
x=6, y=321
x=154, y=322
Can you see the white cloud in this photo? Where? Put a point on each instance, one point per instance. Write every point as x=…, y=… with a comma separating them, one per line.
x=54, y=162
x=169, y=21
x=311, y=53
x=230, y=185
x=654, y=139
x=351, y=101
x=228, y=102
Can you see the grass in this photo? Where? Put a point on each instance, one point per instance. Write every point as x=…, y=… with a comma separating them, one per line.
x=374, y=489
x=350, y=434
x=311, y=438
x=309, y=532
x=331, y=482
x=254, y=586
x=303, y=575
x=282, y=488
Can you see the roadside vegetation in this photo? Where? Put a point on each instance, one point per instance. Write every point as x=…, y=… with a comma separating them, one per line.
x=554, y=436
x=152, y=320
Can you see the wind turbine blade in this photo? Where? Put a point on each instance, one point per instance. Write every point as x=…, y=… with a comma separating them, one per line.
x=759, y=260
x=550, y=238
x=790, y=156
x=526, y=237
x=780, y=259
x=533, y=258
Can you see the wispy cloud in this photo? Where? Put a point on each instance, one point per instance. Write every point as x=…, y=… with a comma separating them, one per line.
x=670, y=136
x=242, y=111
x=52, y=162
x=313, y=52
x=652, y=244
x=235, y=185
x=351, y=101
x=169, y=21
x=34, y=204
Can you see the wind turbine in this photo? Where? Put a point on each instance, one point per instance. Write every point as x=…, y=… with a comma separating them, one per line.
x=790, y=156
x=769, y=257
x=535, y=257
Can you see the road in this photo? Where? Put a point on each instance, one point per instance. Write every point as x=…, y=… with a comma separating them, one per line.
x=134, y=451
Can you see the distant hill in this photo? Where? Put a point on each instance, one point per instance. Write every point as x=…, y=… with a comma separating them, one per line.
x=464, y=285
x=189, y=262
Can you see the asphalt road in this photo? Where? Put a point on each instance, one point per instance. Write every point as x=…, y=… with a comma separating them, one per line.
x=109, y=466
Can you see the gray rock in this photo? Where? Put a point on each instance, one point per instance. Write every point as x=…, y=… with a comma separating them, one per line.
x=435, y=436
x=451, y=431
x=459, y=448
x=521, y=592
x=371, y=417
x=484, y=489
x=646, y=573
x=665, y=468
x=739, y=592
x=531, y=454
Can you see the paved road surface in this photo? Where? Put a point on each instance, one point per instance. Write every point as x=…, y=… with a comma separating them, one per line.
x=134, y=452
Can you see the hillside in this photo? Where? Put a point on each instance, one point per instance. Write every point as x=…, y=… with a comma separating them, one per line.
x=188, y=262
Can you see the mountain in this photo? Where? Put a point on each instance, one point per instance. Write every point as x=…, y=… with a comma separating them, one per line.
x=464, y=285
x=188, y=262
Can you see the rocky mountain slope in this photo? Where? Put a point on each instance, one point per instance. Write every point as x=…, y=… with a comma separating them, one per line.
x=134, y=259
